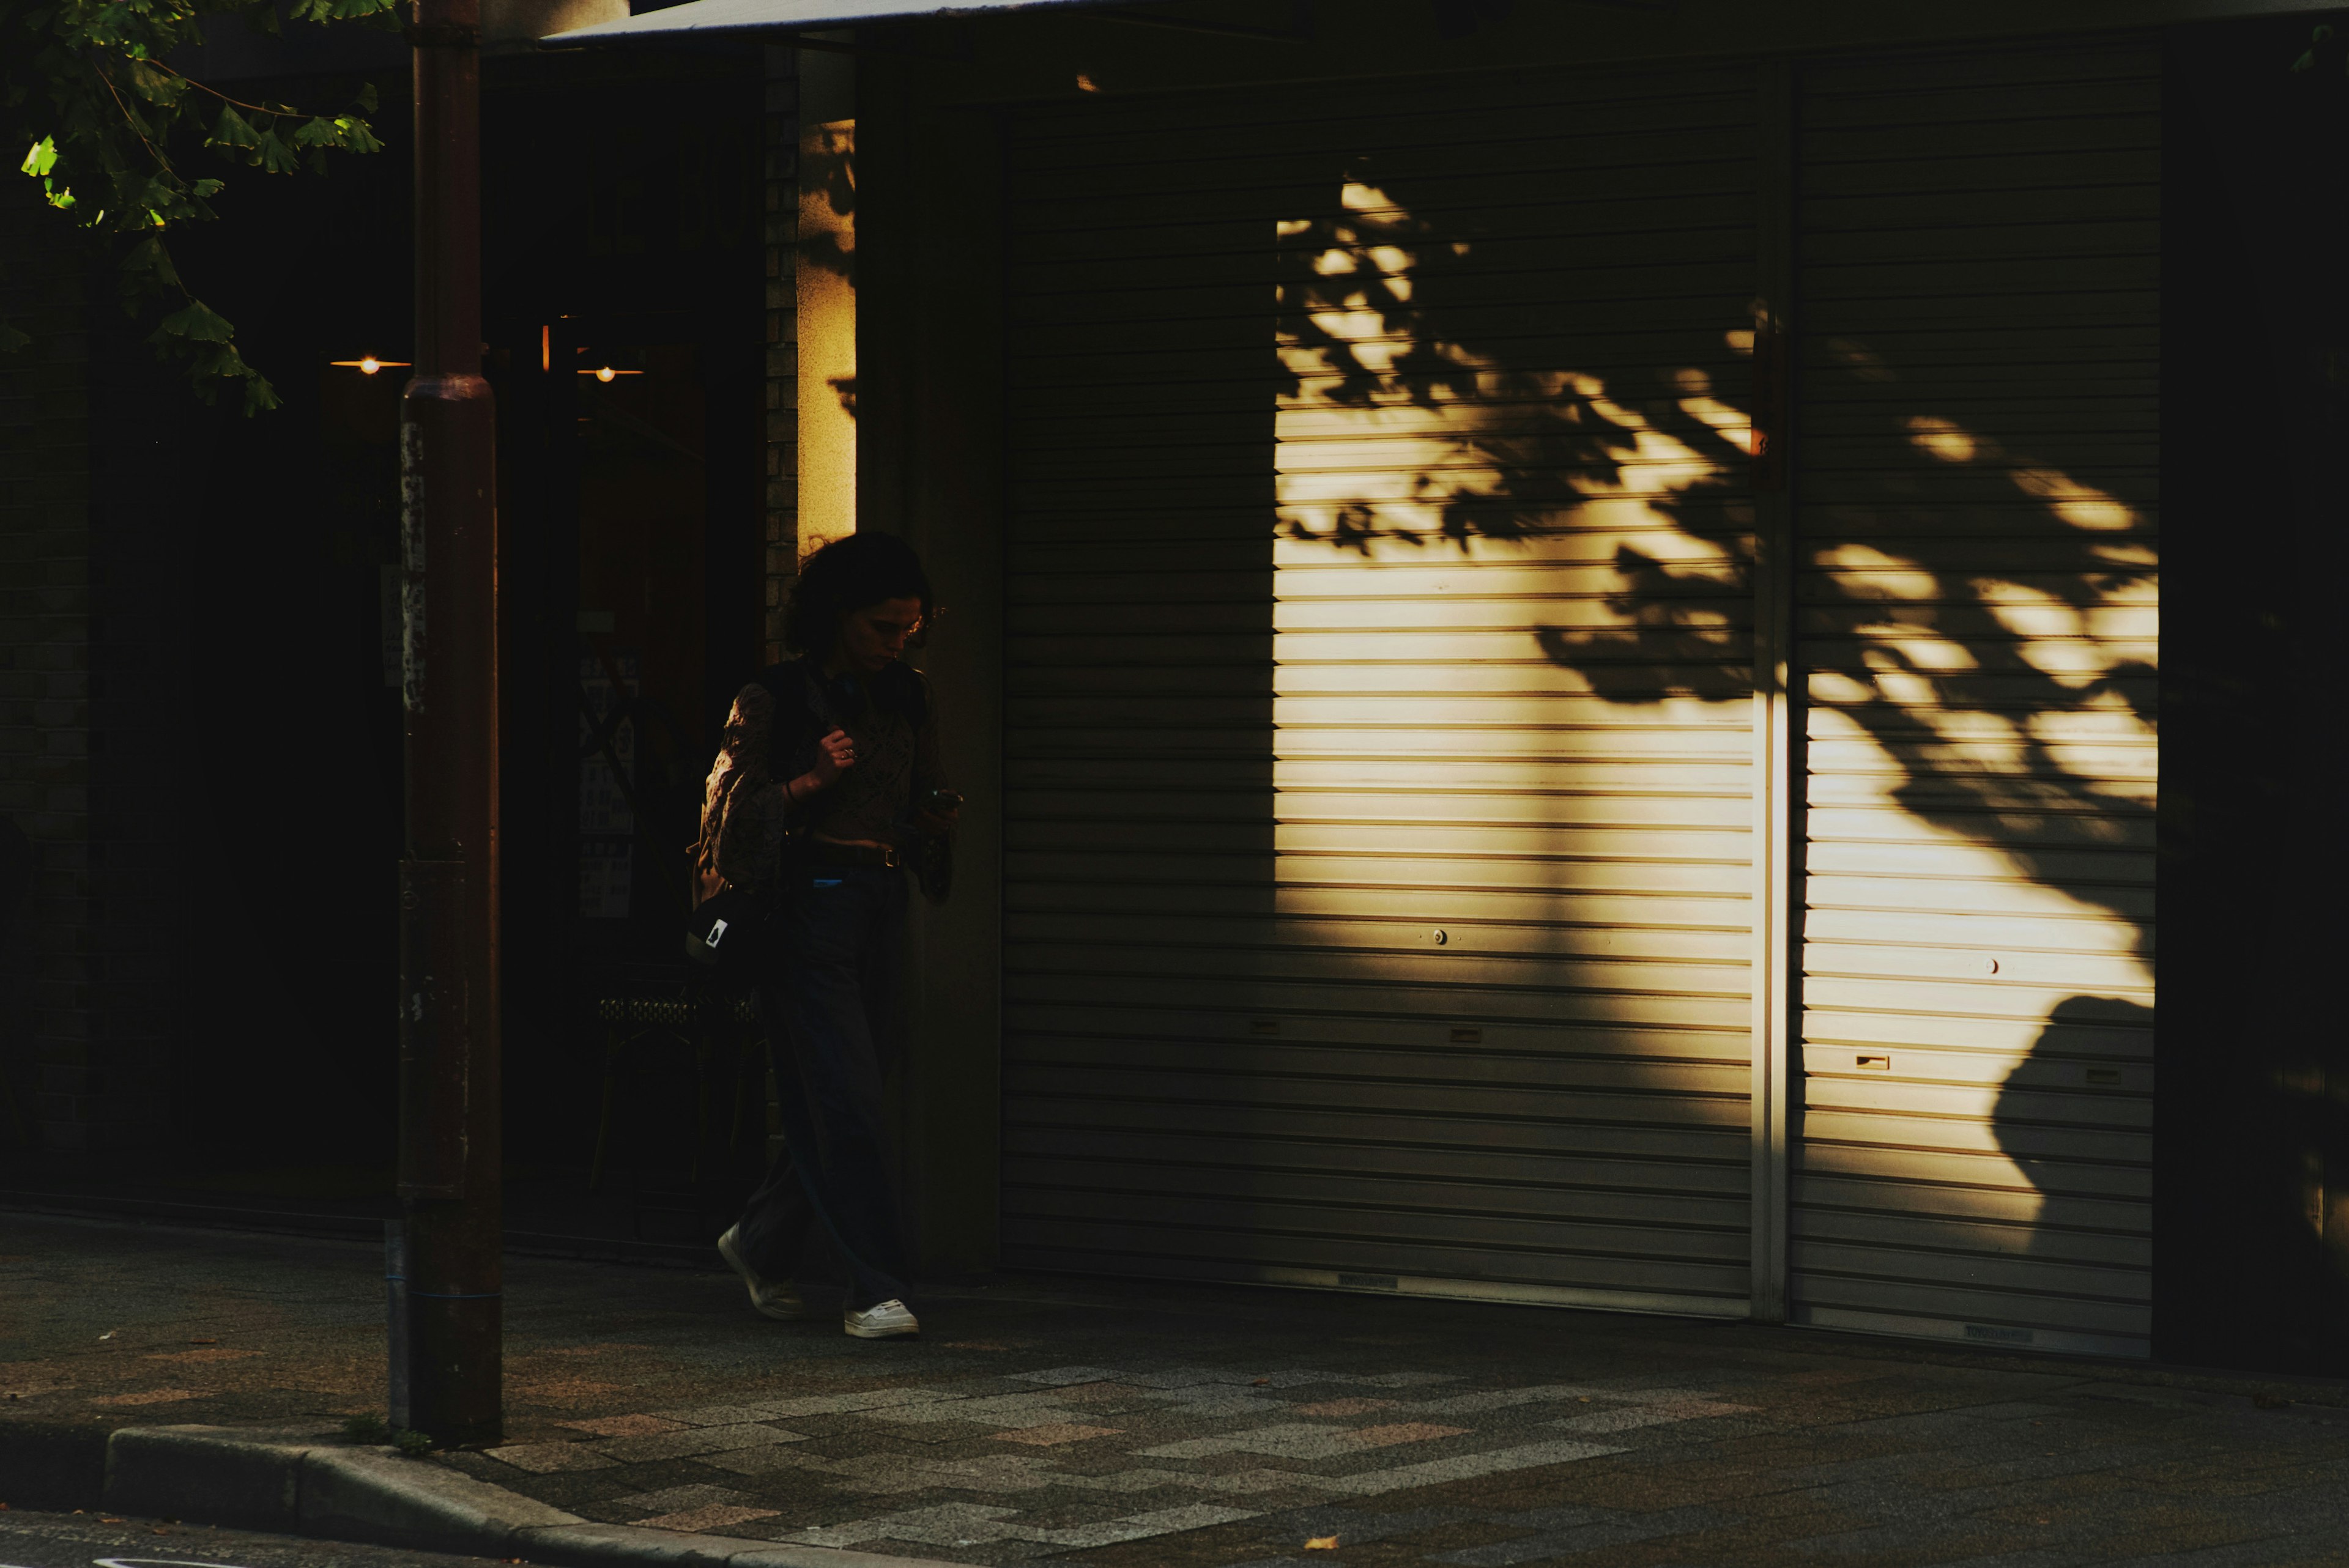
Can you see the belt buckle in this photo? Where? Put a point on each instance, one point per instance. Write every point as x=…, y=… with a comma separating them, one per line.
x=889, y=861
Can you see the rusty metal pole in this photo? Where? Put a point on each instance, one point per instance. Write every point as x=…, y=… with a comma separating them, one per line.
x=443, y=1252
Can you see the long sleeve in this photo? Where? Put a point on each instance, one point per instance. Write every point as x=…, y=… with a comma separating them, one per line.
x=745, y=811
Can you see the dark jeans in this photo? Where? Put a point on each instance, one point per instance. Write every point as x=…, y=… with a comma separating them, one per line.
x=829, y=997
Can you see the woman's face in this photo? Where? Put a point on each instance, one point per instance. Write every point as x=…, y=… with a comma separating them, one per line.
x=874, y=638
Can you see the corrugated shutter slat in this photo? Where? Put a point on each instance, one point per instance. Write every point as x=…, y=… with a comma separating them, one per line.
x=1977, y=625
x=1256, y=767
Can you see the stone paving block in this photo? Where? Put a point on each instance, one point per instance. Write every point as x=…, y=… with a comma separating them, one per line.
x=997, y=1410
x=1141, y=1526
x=1254, y=1482
x=707, y=1518
x=671, y=1498
x=717, y=1415
x=1436, y=1472
x=1587, y=1535
x=816, y=1405
x=1054, y=1433
x=1505, y=1398
x=1300, y=1441
x=1625, y=1418
x=543, y=1458
x=1359, y=1526
x=694, y=1441
x=758, y=1462
x=622, y=1426
x=1068, y=1375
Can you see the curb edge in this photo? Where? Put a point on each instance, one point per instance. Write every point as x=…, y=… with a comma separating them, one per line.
x=305, y=1483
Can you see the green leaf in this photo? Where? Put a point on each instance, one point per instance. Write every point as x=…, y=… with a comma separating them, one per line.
x=2307, y=58
x=111, y=109
x=338, y=10
x=160, y=88
x=346, y=132
x=199, y=323
x=230, y=131
x=11, y=340
x=148, y=263
x=274, y=155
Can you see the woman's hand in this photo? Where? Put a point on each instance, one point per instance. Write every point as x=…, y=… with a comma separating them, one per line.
x=835, y=754
x=939, y=823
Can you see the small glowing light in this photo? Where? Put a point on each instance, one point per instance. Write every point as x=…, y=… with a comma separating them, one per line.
x=606, y=373
x=369, y=364
x=546, y=349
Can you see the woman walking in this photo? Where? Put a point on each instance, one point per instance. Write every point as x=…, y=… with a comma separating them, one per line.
x=828, y=787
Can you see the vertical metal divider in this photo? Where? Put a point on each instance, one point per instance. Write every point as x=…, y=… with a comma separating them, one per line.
x=1777, y=706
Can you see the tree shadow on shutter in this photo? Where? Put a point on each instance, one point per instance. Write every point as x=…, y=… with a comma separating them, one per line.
x=1975, y=606
x=1530, y=673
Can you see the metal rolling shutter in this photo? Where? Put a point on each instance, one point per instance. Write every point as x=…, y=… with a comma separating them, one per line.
x=1976, y=512
x=1253, y=773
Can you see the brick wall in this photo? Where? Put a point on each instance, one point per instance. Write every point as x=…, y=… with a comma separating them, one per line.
x=47, y=963
x=782, y=235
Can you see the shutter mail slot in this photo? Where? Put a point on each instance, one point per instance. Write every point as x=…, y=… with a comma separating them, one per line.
x=1873, y=1063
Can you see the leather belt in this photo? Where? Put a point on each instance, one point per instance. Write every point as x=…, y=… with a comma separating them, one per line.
x=818, y=852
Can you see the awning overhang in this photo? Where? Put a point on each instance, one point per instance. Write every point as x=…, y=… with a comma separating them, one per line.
x=699, y=18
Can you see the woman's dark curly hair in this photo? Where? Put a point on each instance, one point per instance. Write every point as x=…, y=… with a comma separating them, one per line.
x=847, y=575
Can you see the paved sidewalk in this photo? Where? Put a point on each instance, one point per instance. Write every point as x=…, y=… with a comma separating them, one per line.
x=1130, y=1426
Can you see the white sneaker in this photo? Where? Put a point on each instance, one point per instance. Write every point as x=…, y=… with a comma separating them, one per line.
x=778, y=1299
x=884, y=1320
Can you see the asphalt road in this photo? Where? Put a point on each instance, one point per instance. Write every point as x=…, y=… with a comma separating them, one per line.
x=108, y=1540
